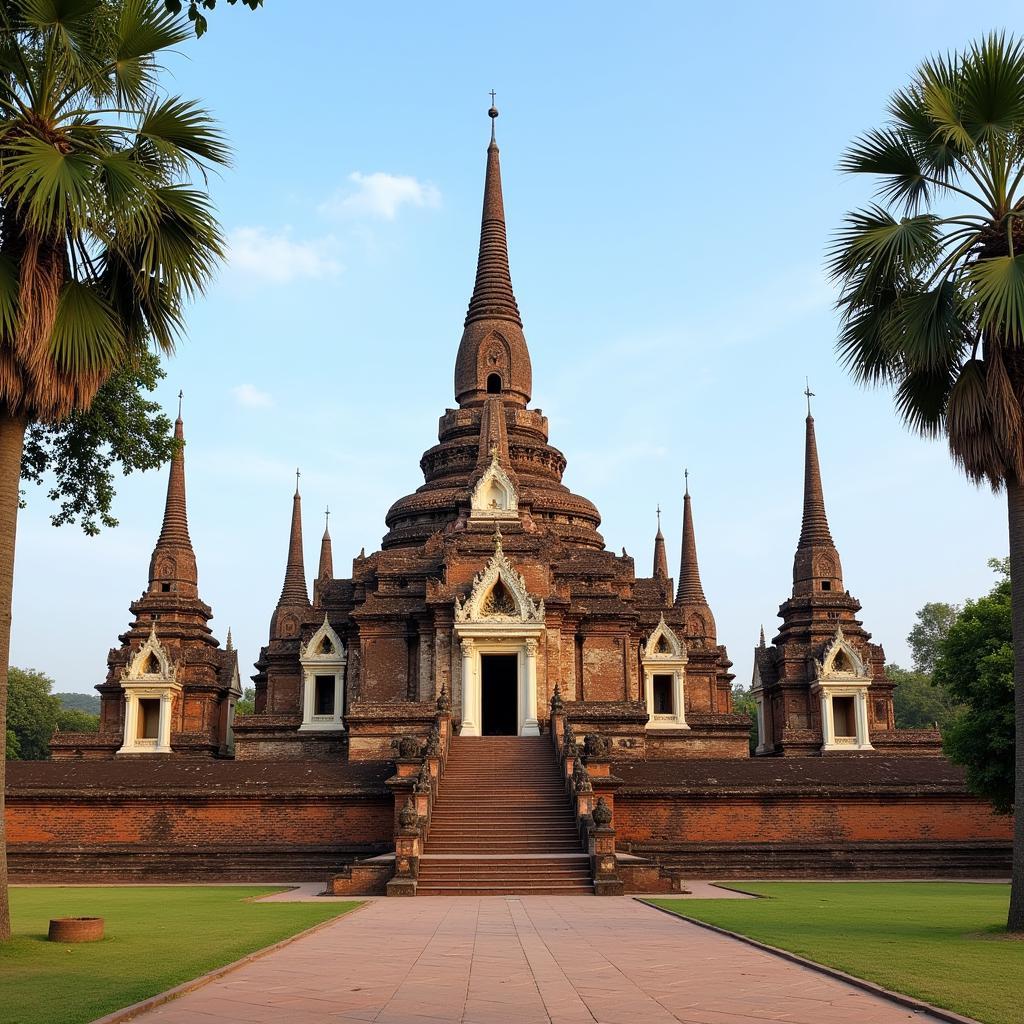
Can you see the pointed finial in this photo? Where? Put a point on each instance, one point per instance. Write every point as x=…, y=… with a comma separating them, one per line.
x=327, y=518
x=493, y=114
x=809, y=393
x=181, y=395
x=297, y=475
x=686, y=483
x=764, y=643
x=497, y=538
x=658, y=511
x=229, y=643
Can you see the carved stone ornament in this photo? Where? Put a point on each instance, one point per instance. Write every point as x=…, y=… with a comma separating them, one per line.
x=663, y=644
x=408, y=819
x=602, y=813
x=596, y=745
x=444, y=700
x=557, y=704
x=499, y=594
x=841, y=661
x=406, y=746
x=151, y=662
x=434, y=742
x=494, y=496
x=423, y=780
x=324, y=647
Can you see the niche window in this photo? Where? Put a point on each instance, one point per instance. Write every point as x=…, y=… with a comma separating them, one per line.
x=826, y=584
x=494, y=384
x=149, y=718
x=165, y=588
x=662, y=694
x=323, y=699
x=844, y=715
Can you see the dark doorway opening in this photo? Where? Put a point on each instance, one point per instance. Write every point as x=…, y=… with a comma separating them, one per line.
x=493, y=384
x=499, y=685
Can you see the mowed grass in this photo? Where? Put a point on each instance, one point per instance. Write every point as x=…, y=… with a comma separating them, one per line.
x=156, y=937
x=943, y=942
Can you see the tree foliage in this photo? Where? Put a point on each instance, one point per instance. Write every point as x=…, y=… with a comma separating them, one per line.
x=34, y=713
x=122, y=431
x=975, y=666
x=743, y=703
x=196, y=7
x=246, y=704
x=931, y=627
x=917, y=701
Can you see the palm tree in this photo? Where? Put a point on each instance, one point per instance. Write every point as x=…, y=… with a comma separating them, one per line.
x=102, y=240
x=932, y=289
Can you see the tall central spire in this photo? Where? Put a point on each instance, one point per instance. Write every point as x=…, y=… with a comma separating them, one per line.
x=493, y=298
x=493, y=357
x=690, y=591
x=816, y=565
x=294, y=590
x=173, y=563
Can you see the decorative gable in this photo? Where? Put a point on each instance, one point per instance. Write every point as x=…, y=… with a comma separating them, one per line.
x=324, y=647
x=663, y=644
x=151, y=663
x=494, y=496
x=499, y=594
x=841, y=661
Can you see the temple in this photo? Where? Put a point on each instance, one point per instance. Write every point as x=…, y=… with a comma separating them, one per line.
x=170, y=686
x=494, y=701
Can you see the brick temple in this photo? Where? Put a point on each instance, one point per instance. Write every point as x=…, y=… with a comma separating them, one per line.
x=494, y=701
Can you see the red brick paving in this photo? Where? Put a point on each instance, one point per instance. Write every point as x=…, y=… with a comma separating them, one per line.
x=533, y=959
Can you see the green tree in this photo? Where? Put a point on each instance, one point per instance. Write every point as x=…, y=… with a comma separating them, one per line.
x=89, y=702
x=77, y=456
x=917, y=701
x=975, y=665
x=932, y=279
x=246, y=704
x=102, y=239
x=933, y=622
x=743, y=703
x=196, y=7
x=31, y=714
x=76, y=720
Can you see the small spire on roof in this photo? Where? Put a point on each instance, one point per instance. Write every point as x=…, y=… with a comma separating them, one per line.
x=763, y=643
x=229, y=643
x=660, y=554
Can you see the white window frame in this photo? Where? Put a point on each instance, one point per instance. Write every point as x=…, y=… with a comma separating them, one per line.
x=315, y=664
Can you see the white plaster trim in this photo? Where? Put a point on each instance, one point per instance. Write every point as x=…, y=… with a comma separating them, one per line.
x=471, y=610
x=482, y=503
x=314, y=663
x=672, y=663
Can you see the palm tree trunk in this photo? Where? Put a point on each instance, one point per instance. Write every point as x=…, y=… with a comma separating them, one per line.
x=12, y=440
x=1015, y=506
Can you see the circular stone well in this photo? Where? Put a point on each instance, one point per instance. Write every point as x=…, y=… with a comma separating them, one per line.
x=76, y=929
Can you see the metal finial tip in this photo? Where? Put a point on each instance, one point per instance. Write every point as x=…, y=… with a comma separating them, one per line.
x=297, y=475
x=181, y=395
x=686, y=483
x=809, y=393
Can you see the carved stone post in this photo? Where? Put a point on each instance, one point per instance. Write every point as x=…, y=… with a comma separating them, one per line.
x=602, y=852
x=407, y=853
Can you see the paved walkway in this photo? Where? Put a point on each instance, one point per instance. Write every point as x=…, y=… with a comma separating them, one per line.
x=528, y=960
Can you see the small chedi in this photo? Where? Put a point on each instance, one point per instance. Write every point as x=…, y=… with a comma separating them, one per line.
x=494, y=690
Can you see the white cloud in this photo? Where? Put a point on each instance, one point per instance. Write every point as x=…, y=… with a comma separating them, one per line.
x=250, y=396
x=257, y=253
x=380, y=195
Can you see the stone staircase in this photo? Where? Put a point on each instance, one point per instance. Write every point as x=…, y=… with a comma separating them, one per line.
x=502, y=824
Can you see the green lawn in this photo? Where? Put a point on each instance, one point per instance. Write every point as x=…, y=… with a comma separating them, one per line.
x=944, y=942
x=156, y=937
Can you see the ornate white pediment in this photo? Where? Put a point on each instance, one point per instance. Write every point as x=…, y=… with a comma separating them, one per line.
x=324, y=647
x=151, y=663
x=664, y=645
x=499, y=594
x=841, y=662
x=494, y=496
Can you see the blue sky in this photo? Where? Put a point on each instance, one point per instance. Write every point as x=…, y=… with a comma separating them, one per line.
x=670, y=189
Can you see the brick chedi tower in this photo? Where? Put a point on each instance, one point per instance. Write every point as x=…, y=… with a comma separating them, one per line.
x=170, y=686
x=494, y=584
x=821, y=686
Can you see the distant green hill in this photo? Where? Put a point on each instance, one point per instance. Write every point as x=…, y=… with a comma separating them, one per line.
x=80, y=702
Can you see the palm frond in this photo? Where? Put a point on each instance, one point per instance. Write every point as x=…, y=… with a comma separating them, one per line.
x=996, y=290
x=179, y=132
x=86, y=334
x=890, y=154
x=927, y=330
